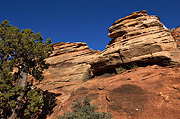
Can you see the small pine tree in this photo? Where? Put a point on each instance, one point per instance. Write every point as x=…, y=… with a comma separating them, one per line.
x=84, y=110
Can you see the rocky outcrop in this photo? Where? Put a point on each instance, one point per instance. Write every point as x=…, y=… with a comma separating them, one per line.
x=144, y=93
x=69, y=62
x=136, y=38
x=69, y=66
x=176, y=36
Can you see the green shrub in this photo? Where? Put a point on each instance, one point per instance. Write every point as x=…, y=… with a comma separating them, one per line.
x=133, y=66
x=34, y=101
x=84, y=110
x=53, y=83
x=120, y=70
x=86, y=75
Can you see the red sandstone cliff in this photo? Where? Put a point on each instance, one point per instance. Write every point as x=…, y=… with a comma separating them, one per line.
x=147, y=92
x=144, y=93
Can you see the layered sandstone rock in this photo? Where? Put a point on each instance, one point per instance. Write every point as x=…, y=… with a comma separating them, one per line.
x=136, y=38
x=145, y=92
x=176, y=36
x=69, y=62
x=69, y=65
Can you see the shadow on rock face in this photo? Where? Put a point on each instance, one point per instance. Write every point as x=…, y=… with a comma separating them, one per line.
x=49, y=103
x=128, y=98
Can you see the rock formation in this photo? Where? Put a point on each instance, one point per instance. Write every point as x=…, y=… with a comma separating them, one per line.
x=137, y=38
x=150, y=92
x=69, y=64
x=69, y=61
x=144, y=92
x=176, y=36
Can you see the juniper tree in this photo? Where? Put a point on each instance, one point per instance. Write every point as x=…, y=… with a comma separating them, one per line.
x=24, y=51
x=84, y=110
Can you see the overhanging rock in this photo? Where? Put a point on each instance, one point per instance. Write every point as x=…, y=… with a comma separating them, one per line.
x=136, y=38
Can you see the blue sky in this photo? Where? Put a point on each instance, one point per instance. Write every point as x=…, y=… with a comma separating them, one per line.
x=82, y=20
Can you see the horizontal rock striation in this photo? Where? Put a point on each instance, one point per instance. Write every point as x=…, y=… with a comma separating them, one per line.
x=68, y=63
x=69, y=66
x=136, y=38
x=151, y=91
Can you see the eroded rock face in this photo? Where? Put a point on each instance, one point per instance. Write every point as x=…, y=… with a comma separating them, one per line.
x=136, y=38
x=176, y=36
x=69, y=62
x=144, y=93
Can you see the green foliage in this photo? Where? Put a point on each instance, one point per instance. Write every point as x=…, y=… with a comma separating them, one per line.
x=54, y=83
x=133, y=66
x=24, y=51
x=86, y=75
x=24, y=48
x=84, y=110
x=8, y=91
x=34, y=101
x=120, y=70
